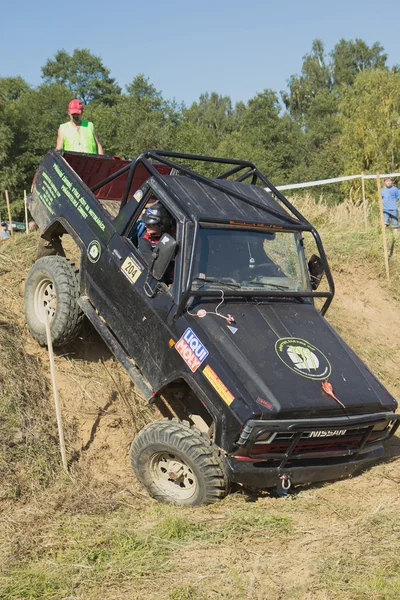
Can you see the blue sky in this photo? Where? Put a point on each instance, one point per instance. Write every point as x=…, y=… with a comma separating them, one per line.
x=235, y=48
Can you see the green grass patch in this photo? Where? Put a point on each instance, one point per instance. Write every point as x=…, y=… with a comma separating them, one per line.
x=253, y=522
x=186, y=592
x=175, y=527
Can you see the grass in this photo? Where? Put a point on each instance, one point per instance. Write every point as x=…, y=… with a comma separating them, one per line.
x=28, y=450
x=96, y=534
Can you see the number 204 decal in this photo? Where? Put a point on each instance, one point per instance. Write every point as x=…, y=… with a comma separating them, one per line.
x=131, y=269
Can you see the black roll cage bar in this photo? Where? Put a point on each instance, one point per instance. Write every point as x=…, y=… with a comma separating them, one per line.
x=292, y=223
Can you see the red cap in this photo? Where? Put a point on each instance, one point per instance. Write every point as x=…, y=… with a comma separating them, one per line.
x=75, y=107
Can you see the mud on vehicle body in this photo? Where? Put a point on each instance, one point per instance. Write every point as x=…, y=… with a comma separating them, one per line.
x=254, y=384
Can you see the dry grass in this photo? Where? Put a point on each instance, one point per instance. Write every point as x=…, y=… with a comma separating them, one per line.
x=97, y=535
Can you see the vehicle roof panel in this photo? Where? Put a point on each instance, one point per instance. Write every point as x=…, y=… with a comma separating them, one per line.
x=205, y=202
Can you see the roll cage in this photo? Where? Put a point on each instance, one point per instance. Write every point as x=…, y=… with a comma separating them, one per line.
x=241, y=171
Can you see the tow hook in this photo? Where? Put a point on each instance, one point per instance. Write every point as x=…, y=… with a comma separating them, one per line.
x=284, y=486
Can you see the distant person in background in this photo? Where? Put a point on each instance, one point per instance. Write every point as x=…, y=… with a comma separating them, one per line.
x=4, y=231
x=390, y=197
x=78, y=135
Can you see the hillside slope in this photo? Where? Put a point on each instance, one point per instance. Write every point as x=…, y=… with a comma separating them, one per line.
x=97, y=534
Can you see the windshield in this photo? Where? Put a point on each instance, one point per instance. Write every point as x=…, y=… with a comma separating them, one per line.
x=248, y=260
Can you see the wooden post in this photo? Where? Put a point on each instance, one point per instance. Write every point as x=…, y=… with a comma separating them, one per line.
x=364, y=201
x=9, y=212
x=55, y=390
x=385, y=250
x=26, y=214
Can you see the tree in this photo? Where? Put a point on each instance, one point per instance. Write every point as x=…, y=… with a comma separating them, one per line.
x=11, y=88
x=83, y=74
x=33, y=119
x=370, y=111
x=352, y=57
x=315, y=77
x=212, y=111
x=145, y=119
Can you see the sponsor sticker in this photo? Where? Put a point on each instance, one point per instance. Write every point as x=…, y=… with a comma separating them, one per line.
x=131, y=268
x=94, y=251
x=191, y=349
x=303, y=358
x=218, y=385
x=264, y=403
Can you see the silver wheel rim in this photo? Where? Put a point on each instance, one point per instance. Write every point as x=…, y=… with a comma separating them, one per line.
x=173, y=476
x=45, y=299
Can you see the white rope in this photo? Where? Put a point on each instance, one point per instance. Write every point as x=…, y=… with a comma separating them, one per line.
x=296, y=186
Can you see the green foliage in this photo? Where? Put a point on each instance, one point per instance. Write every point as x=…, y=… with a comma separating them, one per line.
x=83, y=74
x=341, y=116
x=315, y=77
x=353, y=57
x=370, y=110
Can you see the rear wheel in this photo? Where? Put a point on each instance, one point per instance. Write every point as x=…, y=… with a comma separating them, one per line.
x=178, y=464
x=52, y=284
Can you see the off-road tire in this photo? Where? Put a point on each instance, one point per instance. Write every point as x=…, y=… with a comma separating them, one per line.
x=206, y=479
x=57, y=275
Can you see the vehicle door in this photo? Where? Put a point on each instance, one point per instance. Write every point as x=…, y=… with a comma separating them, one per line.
x=122, y=295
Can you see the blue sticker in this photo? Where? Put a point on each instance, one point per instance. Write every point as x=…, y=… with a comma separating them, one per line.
x=191, y=350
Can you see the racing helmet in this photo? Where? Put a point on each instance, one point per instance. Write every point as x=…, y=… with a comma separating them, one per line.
x=156, y=214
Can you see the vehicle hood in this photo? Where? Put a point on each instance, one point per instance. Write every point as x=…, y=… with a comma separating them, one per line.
x=283, y=353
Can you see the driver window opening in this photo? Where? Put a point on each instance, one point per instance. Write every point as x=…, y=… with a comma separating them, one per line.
x=146, y=233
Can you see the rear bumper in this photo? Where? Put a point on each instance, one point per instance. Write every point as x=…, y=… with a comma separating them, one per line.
x=255, y=474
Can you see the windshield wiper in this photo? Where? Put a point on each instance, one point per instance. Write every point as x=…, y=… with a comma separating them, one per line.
x=231, y=284
x=266, y=284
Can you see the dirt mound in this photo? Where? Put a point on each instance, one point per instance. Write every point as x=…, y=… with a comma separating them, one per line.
x=101, y=410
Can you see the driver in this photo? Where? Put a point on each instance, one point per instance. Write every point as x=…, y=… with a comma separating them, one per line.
x=157, y=221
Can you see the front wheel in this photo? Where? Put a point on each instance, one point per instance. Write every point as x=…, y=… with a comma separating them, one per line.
x=178, y=464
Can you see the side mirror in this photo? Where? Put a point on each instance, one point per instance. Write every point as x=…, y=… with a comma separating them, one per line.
x=166, y=249
x=316, y=270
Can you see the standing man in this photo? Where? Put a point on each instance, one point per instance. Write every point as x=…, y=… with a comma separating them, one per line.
x=78, y=135
x=390, y=197
x=4, y=231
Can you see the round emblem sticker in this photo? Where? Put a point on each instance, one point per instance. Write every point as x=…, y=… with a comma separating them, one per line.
x=303, y=358
x=94, y=251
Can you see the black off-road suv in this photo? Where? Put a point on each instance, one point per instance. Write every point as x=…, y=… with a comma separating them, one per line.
x=254, y=384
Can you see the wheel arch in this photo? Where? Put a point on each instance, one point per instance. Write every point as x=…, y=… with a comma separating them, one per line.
x=50, y=243
x=181, y=397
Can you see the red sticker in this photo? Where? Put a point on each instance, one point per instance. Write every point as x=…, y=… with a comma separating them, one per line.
x=201, y=313
x=265, y=403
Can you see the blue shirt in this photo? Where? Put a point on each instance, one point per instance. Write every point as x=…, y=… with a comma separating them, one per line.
x=389, y=197
x=4, y=234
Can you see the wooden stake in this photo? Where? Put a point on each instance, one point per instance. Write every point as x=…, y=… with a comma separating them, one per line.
x=55, y=390
x=26, y=214
x=364, y=201
x=9, y=212
x=385, y=250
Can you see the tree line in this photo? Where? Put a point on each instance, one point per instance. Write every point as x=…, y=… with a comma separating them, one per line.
x=340, y=115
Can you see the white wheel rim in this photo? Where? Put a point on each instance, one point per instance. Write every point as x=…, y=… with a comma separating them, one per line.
x=45, y=299
x=173, y=476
